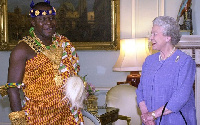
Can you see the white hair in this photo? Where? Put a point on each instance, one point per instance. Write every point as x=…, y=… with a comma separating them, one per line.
x=74, y=91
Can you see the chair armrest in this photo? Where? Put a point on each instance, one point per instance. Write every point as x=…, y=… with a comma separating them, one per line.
x=122, y=117
x=91, y=117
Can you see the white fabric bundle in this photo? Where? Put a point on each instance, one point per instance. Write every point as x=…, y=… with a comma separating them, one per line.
x=74, y=91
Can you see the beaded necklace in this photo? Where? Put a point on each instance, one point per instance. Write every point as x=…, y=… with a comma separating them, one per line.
x=39, y=42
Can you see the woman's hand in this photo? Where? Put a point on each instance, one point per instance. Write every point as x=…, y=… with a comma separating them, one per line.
x=150, y=123
x=146, y=117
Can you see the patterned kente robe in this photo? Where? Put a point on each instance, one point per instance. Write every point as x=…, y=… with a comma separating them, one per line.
x=43, y=102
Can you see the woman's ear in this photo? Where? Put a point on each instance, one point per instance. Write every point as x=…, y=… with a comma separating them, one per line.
x=168, y=39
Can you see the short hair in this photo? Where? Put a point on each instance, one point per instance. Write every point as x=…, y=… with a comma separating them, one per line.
x=170, y=27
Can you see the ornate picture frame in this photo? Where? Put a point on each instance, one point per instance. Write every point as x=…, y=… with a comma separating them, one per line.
x=107, y=36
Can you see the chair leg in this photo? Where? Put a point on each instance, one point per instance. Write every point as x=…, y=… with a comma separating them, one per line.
x=128, y=121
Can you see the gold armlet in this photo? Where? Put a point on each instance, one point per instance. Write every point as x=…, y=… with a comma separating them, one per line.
x=18, y=118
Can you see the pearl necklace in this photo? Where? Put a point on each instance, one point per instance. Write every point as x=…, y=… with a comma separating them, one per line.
x=160, y=58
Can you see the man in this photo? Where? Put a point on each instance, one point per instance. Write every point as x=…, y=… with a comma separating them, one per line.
x=40, y=64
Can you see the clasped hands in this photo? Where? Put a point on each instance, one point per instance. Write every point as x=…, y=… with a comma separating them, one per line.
x=147, y=118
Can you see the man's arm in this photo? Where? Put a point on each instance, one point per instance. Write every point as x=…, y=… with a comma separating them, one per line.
x=15, y=74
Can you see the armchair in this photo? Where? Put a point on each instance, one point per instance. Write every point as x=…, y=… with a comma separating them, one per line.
x=123, y=96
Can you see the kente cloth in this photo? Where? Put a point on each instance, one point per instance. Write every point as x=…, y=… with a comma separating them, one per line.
x=43, y=102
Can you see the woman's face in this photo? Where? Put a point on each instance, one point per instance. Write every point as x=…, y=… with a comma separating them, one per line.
x=157, y=38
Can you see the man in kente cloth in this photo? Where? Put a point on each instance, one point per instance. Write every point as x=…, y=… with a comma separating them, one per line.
x=40, y=64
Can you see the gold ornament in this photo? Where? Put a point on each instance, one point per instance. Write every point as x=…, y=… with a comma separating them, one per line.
x=55, y=55
x=18, y=118
x=37, y=12
x=3, y=91
x=58, y=80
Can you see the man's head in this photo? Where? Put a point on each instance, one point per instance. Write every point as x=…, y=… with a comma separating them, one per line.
x=43, y=20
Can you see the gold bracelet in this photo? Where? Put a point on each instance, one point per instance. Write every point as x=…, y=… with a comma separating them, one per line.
x=18, y=118
x=3, y=91
x=154, y=115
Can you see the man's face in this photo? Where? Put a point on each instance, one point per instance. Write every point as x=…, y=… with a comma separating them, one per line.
x=44, y=26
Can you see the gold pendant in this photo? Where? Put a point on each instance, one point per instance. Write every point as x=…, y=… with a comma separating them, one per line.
x=58, y=80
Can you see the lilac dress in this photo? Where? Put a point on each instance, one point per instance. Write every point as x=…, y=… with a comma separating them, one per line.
x=171, y=81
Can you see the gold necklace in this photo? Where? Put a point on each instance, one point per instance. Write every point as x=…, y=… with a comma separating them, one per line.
x=160, y=58
x=54, y=53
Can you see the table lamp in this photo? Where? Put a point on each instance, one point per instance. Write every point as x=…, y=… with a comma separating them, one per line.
x=132, y=56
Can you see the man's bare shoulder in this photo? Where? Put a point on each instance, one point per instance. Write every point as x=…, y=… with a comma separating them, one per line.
x=22, y=50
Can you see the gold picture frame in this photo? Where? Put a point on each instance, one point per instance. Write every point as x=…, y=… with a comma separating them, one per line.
x=111, y=44
x=3, y=26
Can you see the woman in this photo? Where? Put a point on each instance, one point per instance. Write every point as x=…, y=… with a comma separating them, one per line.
x=167, y=78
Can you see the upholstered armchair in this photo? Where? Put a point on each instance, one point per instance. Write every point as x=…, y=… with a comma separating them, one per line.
x=123, y=96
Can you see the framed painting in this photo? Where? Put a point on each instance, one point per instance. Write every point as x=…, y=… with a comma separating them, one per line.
x=88, y=24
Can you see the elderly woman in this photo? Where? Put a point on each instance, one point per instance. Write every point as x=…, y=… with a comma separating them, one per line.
x=167, y=79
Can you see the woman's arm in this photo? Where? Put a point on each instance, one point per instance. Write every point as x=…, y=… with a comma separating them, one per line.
x=184, y=89
x=151, y=116
x=143, y=107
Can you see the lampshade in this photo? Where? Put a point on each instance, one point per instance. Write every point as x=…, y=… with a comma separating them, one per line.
x=132, y=54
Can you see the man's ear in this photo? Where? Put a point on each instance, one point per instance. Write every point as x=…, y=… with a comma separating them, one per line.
x=33, y=22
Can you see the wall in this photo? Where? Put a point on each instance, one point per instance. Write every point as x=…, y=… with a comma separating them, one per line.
x=171, y=10
x=4, y=102
x=98, y=64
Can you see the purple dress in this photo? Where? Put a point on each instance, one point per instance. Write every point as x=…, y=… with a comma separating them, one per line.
x=171, y=81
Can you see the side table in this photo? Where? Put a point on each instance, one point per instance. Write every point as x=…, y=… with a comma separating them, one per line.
x=107, y=115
